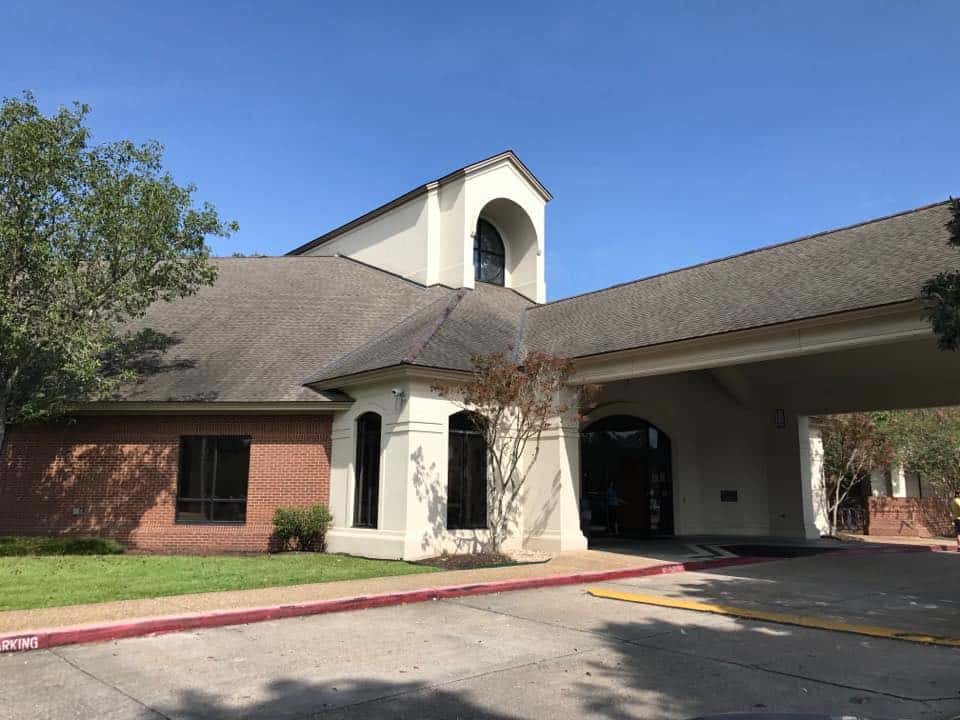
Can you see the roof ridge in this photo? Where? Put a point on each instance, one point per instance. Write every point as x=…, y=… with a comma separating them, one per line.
x=504, y=288
x=423, y=189
x=752, y=251
x=368, y=266
x=375, y=339
x=434, y=327
x=521, y=326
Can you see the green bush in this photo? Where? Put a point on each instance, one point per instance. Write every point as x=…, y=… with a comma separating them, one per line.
x=307, y=526
x=22, y=546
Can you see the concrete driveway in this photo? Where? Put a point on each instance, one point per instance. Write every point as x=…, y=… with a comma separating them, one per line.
x=556, y=653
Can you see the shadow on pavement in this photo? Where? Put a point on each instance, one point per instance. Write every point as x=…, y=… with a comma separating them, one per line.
x=629, y=662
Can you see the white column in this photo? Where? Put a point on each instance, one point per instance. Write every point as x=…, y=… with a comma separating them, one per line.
x=813, y=486
x=898, y=481
x=551, y=507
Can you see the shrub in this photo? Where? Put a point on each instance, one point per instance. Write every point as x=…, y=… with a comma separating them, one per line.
x=12, y=546
x=307, y=526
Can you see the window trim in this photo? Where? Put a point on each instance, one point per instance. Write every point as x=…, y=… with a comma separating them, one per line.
x=211, y=500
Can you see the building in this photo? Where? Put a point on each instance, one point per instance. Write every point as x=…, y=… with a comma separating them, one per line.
x=903, y=502
x=307, y=378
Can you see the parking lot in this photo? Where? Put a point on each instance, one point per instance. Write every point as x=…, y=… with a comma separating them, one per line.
x=542, y=653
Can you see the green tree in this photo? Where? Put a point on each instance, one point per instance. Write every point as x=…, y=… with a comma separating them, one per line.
x=90, y=236
x=512, y=403
x=927, y=442
x=853, y=445
x=941, y=294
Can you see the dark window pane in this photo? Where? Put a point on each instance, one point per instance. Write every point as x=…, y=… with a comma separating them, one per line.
x=191, y=468
x=233, y=467
x=229, y=511
x=466, y=474
x=475, y=492
x=488, y=254
x=210, y=468
x=192, y=510
x=367, y=479
x=455, y=480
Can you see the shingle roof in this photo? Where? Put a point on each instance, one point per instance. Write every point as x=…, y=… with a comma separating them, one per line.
x=874, y=263
x=444, y=334
x=266, y=324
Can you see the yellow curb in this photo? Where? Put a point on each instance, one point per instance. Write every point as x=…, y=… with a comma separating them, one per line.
x=779, y=618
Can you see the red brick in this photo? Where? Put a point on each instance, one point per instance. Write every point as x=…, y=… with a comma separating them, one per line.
x=121, y=471
x=923, y=517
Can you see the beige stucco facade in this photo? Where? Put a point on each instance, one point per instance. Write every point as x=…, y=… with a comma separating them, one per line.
x=739, y=427
x=736, y=407
x=427, y=235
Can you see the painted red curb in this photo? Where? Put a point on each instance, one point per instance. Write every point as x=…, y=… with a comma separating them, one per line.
x=99, y=632
x=139, y=627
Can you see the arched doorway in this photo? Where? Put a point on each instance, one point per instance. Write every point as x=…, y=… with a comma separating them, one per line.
x=626, y=478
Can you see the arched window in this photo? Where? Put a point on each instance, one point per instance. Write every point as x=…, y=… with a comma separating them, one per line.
x=466, y=474
x=366, y=494
x=488, y=254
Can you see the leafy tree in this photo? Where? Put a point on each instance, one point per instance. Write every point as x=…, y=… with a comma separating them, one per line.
x=90, y=236
x=926, y=441
x=853, y=445
x=513, y=403
x=941, y=294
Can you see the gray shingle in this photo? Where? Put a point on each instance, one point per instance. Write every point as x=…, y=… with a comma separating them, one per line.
x=874, y=263
x=266, y=324
x=444, y=334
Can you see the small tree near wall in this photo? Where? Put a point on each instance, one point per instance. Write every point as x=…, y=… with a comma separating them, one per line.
x=853, y=445
x=513, y=403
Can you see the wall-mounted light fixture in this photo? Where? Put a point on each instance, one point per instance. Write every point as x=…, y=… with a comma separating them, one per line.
x=780, y=418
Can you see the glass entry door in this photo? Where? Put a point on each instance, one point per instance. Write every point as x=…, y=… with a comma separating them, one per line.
x=626, y=486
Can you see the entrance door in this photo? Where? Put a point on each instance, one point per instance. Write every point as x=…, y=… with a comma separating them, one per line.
x=626, y=481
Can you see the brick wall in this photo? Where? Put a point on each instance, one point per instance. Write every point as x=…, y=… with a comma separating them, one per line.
x=924, y=517
x=121, y=472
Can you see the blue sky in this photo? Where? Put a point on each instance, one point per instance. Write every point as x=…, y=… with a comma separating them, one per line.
x=669, y=133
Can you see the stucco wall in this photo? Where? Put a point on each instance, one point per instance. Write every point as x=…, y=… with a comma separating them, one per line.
x=429, y=238
x=413, y=476
x=413, y=481
x=717, y=444
x=396, y=241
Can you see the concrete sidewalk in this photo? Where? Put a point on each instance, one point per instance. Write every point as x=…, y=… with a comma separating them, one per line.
x=567, y=563
x=544, y=653
x=939, y=541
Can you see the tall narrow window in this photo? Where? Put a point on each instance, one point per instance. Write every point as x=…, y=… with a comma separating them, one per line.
x=367, y=487
x=466, y=474
x=488, y=254
x=212, y=486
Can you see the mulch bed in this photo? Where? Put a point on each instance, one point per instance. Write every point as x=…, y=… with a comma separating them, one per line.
x=468, y=562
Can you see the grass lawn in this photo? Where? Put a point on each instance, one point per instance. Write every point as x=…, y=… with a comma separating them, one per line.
x=37, y=582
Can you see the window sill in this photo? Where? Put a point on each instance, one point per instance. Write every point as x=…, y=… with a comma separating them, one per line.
x=209, y=522
x=484, y=528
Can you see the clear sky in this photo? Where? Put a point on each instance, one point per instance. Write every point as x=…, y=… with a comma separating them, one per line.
x=669, y=133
